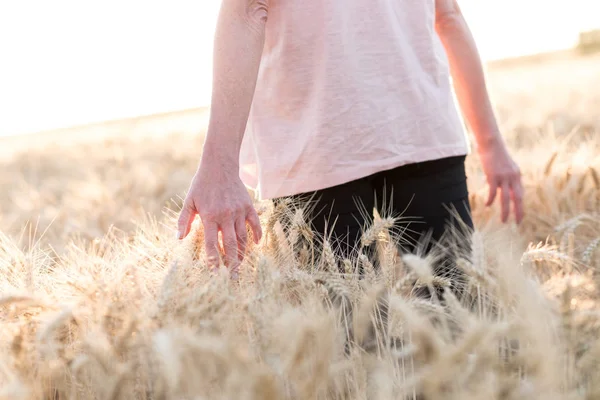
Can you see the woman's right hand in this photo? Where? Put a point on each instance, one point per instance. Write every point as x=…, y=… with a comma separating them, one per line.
x=219, y=197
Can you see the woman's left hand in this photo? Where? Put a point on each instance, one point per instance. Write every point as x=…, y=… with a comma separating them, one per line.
x=504, y=174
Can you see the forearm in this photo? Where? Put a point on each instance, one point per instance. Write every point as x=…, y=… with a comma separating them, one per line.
x=238, y=45
x=469, y=79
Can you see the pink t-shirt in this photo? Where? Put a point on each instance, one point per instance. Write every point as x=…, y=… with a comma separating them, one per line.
x=348, y=88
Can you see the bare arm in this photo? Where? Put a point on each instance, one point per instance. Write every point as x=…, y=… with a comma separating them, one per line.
x=239, y=40
x=467, y=73
x=469, y=83
x=217, y=193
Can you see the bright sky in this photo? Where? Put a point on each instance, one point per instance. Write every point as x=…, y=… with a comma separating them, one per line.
x=69, y=62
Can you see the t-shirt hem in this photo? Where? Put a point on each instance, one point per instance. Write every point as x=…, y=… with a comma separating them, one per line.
x=308, y=183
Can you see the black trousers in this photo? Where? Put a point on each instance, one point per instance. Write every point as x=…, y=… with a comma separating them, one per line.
x=429, y=197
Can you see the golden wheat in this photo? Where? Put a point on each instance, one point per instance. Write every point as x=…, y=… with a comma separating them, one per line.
x=99, y=301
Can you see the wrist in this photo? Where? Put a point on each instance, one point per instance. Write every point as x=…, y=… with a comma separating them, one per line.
x=219, y=156
x=490, y=142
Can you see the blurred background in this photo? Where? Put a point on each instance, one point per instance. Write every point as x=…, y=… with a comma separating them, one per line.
x=67, y=62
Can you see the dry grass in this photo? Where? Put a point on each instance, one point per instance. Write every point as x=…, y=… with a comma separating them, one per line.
x=99, y=301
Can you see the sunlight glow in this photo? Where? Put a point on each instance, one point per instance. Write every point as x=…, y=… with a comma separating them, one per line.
x=68, y=62
x=73, y=62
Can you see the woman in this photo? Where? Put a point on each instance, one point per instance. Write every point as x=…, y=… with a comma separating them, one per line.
x=339, y=101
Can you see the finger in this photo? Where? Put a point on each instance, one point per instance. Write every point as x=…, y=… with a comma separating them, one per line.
x=254, y=223
x=211, y=244
x=517, y=199
x=229, y=244
x=186, y=218
x=493, y=187
x=505, y=188
x=242, y=237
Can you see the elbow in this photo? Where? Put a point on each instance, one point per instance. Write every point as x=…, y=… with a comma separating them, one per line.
x=257, y=11
x=449, y=22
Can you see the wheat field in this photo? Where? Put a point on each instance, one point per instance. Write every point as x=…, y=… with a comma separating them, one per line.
x=99, y=301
